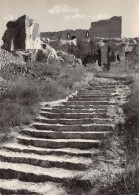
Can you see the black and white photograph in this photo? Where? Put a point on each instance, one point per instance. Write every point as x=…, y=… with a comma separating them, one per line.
x=69, y=97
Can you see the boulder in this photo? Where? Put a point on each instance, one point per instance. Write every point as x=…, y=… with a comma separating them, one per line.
x=78, y=61
x=46, y=54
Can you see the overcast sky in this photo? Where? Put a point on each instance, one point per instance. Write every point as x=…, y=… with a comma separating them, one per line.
x=55, y=15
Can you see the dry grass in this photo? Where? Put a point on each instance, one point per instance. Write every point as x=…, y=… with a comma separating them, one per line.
x=128, y=133
x=126, y=184
x=19, y=103
x=77, y=186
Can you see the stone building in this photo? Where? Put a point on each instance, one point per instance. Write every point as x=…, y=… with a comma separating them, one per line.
x=110, y=28
x=22, y=33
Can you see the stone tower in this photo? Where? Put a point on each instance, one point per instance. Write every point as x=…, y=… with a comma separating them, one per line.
x=22, y=33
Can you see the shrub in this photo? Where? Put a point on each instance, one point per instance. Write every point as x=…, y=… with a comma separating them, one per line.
x=125, y=184
x=77, y=186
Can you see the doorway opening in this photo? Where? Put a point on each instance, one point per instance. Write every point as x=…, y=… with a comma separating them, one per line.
x=73, y=37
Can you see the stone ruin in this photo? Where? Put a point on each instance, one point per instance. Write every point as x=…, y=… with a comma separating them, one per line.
x=22, y=38
x=22, y=33
x=110, y=28
x=101, y=44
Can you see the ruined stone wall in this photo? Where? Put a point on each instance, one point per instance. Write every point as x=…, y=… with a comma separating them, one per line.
x=66, y=34
x=110, y=28
x=14, y=36
x=22, y=33
x=106, y=28
x=32, y=40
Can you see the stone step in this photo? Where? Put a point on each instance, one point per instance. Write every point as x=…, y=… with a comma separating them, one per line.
x=92, y=95
x=65, y=134
x=16, y=147
x=74, y=121
x=59, y=143
x=78, y=98
x=31, y=173
x=99, y=91
x=88, y=127
x=102, y=84
x=95, y=88
x=15, y=186
x=100, y=87
x=87, y=103
x=79, y=106
x=71, y=163
x=75, y=111
x=72, y=115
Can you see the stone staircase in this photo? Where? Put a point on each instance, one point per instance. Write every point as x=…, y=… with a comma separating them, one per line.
x=59, y=145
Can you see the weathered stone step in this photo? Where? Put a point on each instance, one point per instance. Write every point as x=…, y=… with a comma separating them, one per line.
x=31, y=173
x=87, y=103
x=78, y=106
x=59, y=143
x=88, y=127
x=98, y=88
x=72, y=115
x=74, y=121
x=104, y=91
x=65, y=134
x=95, y=88
x=92, y=95
x=15, y=186
x=71, y=163
x=16, y=147
x=78, y=98
x=102, y=84
x=75, y=111
x=101, y=87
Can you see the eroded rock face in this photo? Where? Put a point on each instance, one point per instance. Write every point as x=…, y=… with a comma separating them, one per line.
x=22, y=33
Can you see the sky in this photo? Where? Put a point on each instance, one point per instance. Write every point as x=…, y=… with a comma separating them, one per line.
x=55, y=15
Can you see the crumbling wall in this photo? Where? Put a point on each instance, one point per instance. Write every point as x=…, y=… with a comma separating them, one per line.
x=103, y=51
x=32, y=40
x=107, y=28
x=65, y=35
x=22, y=33
x=13, y=36
x=110, y=28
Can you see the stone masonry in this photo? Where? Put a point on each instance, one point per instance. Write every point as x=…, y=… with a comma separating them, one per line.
x=22, y=33
x=110, y=28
